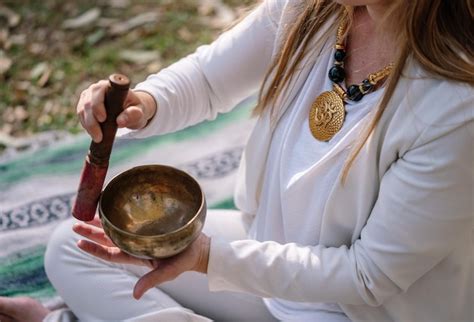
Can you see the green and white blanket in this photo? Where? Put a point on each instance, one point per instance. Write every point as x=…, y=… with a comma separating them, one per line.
x=37, y=188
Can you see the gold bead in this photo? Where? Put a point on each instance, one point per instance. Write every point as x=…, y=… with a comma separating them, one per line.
x=339, y=91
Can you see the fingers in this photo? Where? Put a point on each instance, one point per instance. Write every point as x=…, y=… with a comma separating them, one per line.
x=92, y=112
x=6, y=318
x=107, y=253
x=95, y=222
x=110, y=253
x=164, y=270
x=100, y=245
x=93, y=233
x=91, y=125
x=6, y=306
x=21, y=309
x=91, y=109
x=195, y=257
x=98, y=97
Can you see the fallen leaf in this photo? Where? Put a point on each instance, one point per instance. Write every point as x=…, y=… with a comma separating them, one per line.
x=37, y=48
x=5, y=42
x=20, y=113
x=19, y=91
x=7, y=129
x=5, y=63
x=95, y=37
x=43, y=80
x=8, y=115
x=44, y=119
x=154, y=67
x=82, y=20
x=120, y=28
x=12, y=17
x=22, y=85
x=105, y=22
x=205, y=8
x=59, y=75
x=19, y=39
x=185, y=34
x=139, y=56
x=119, y=4
x=37, y=71
x=222, y=14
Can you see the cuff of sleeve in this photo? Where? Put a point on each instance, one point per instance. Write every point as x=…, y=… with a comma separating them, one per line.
x=217, y=271
x=157, y=125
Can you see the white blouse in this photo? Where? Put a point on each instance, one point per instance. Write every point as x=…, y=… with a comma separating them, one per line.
x=299, y=175
x=395, y=242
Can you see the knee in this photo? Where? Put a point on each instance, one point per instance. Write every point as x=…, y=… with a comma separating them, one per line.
x=61, y=245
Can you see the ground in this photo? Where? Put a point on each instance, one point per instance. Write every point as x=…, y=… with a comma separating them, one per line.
x=50, y=50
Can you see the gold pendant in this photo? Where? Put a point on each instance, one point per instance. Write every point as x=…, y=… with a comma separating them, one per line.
x=326, y=115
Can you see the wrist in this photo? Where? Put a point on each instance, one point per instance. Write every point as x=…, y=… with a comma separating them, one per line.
x=204, y=249
x=149, y=103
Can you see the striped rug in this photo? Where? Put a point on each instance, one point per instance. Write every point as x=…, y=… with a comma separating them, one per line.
x=37, y=188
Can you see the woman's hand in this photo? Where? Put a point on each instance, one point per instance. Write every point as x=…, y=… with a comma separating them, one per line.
x=193, y=258
x=24, y=309
x=139, y=108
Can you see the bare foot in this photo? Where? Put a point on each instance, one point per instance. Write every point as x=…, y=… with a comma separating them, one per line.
x=21, y=309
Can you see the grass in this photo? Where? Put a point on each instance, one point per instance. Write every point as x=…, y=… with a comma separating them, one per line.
x=79, y=57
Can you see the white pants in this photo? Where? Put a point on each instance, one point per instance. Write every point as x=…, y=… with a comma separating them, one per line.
x=97, y=290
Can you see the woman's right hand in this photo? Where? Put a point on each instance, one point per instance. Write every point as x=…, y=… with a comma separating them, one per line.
x=139, y=108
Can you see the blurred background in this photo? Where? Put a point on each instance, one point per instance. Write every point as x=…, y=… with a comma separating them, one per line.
x=51, y=50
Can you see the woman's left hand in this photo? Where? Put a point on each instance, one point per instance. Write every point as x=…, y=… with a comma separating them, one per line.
x=193, y=258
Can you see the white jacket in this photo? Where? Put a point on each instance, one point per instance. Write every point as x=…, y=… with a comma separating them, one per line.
x=405, y=251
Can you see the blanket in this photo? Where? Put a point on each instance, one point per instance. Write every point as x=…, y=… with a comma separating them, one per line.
x=37, y=188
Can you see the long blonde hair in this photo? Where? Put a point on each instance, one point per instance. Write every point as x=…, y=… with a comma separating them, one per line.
x=438, y=34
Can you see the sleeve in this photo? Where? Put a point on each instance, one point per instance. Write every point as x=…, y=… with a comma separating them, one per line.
x=423, y=212
x=214, y=78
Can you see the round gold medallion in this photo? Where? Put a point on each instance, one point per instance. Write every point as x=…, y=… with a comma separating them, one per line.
x=326, y=116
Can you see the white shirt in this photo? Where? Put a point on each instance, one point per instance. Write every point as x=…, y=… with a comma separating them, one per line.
x=299, y=178
x=395, y=241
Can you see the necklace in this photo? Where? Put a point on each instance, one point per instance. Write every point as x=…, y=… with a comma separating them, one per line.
x=327, y=113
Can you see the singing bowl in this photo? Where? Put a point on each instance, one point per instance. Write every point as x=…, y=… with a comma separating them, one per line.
x=152, y=211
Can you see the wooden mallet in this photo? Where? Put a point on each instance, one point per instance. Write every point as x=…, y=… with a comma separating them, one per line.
x=97, y=159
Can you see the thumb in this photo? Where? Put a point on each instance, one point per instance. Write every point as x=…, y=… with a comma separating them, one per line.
x=131, y=99
x=163, y=272
x=132, y=117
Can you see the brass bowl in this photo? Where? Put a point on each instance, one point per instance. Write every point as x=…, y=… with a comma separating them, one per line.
x=152, y=211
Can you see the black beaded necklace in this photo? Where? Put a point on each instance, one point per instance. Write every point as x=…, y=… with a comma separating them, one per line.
x=327, y=112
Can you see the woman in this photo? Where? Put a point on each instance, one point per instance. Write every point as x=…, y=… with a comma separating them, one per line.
x=354, y=201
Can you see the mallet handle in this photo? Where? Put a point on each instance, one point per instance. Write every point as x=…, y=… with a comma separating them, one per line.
x=97, y=159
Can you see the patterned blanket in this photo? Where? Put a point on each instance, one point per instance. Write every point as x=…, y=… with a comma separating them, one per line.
x=37, y=188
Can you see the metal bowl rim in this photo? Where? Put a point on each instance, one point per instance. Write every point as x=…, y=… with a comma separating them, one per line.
x=117, y=177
